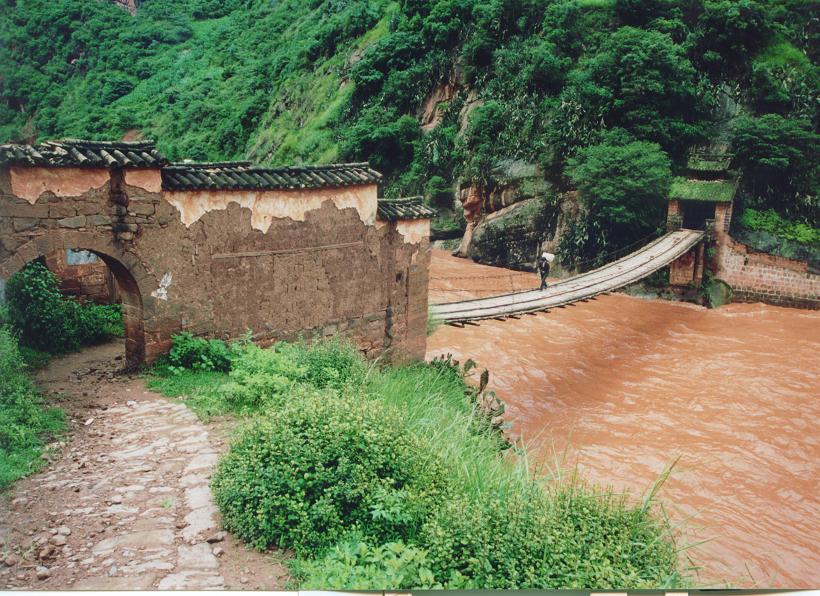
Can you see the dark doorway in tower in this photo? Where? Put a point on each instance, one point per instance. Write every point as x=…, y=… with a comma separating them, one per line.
x=695, y=214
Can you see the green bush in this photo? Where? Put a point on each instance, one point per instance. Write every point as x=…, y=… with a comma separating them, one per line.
x=24, y=421
x=400, y=471
x=321, y=466
x=51, y=322
x=198, y=353
x=38, y=310
x=335, y=364
x=260, y=378
x=439, y=192
x=358, y=566
x=778, y=157
x=623, y=186
x=770, y=221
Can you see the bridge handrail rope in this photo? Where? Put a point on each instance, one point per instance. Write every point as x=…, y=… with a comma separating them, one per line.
x=569, y=283
x=628, y=247
x=653, y=235
x=570, y=286
x=597, y=282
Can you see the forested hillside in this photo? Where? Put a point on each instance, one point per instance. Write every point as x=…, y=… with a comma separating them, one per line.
x=606, y=96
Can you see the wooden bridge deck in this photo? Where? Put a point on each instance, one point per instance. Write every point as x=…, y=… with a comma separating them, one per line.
x=629, y=269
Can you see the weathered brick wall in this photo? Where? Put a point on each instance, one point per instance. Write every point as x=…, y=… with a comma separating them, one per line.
x=760, y=277
x=723, y=217
x=673, y=215
x=688, y=269
x=279, y=264
x=90, y=281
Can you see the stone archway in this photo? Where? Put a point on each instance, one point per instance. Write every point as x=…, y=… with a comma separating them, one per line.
x=125, y=267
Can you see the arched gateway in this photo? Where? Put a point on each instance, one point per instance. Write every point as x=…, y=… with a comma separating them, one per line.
x=222, y=248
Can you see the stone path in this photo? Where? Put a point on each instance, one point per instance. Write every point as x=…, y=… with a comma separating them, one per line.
x=127, y=504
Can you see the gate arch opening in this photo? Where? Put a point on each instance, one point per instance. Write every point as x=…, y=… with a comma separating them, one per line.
x=127, y=287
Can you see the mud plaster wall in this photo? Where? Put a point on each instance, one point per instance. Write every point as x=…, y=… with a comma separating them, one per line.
x=30, y=183
x=219, y=264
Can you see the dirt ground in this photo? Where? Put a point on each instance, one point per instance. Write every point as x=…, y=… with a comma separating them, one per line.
x=124, y=500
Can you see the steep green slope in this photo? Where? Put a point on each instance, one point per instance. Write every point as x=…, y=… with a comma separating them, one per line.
x=435, y=93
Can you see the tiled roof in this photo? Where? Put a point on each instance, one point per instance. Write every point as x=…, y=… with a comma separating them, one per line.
x=77, y=152
x=408, y=208
x=700, y=161
x=718, y=191
x=244, y=176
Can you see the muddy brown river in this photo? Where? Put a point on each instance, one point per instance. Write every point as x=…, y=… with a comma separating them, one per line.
x=621, y=386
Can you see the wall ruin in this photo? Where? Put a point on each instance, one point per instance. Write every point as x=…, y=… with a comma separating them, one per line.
x=280, y=263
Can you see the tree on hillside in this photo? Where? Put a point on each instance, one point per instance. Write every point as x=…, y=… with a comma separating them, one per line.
x=728, y=34
x=778, y=157
x=623, y=185
x=640, y=81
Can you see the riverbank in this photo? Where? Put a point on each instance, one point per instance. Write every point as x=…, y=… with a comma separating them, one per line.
x=402, y=466
x=622, y=386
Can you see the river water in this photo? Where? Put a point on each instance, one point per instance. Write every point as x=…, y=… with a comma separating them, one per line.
x=621, y=386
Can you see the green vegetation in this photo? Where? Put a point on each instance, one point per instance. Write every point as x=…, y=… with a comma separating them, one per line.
x=779, y=157
x=48, y=321
x=722, y=191
x=288, y=82
x=770, y=232
x=25, y=422
x=394, y=478
x=770, y=221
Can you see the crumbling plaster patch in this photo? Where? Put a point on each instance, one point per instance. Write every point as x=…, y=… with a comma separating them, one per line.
x=413, y=231
x=162, y=291
x=29, y=183
x=147, y=179
x=268, y=205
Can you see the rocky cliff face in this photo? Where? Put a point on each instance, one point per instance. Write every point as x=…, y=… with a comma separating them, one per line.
x=129, y=5
x=521, y=216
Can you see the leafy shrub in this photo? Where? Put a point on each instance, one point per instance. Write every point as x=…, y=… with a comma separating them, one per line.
x=728, y=32
x=611, y=88
x=322, y=465
x=97, y=322
x=770, y=221
x=38, y=310
x=24, y=421
x=198, y=353
x=262, y=377
x=334, y=364
x=399, y=470
x=356, y=565
x=48, y=321
x=439, y=192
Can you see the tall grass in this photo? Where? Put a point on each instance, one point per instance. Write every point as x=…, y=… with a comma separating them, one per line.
x=433, y=404
x=25, y=421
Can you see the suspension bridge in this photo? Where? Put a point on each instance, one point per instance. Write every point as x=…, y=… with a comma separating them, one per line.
x=629, y=269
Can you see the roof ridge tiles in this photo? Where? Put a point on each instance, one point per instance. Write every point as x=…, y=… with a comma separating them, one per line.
x=225, y=175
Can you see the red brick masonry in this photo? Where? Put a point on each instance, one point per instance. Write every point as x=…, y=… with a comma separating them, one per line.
x=760, y=277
